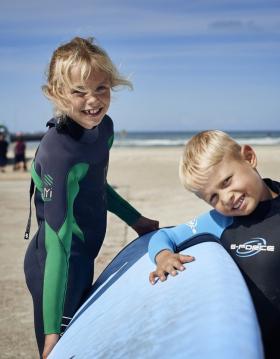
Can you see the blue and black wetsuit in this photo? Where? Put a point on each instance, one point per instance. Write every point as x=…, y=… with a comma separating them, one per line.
x=254, y=243
x=72, y=198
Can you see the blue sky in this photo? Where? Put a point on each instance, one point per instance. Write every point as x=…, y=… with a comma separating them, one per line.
x=195, y=64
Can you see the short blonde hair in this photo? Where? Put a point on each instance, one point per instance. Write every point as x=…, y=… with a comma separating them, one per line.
x=203, y=151
x=88, y=56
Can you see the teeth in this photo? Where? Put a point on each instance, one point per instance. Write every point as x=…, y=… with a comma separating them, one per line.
x=92, y=111
x=238, y=204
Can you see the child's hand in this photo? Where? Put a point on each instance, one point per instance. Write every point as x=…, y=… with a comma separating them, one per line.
x=50, y=341
x=144, y=225
x=168, y=263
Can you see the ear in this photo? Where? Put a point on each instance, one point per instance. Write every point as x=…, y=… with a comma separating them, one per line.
x=249, y=155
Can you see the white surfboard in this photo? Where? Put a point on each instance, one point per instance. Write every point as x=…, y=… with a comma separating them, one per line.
x=204, y=312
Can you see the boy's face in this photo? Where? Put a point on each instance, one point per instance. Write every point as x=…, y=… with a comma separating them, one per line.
x=234, y=187
x=89, y=102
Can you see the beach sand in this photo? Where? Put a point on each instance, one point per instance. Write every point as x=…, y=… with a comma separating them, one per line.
x=147, y=177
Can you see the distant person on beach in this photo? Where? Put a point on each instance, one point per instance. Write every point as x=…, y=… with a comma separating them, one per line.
x=3, y=152
x=245, y=218
x=19, y=152
x=72, y=194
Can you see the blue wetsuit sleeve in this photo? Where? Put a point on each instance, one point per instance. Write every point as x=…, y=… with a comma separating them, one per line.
x=170, y=238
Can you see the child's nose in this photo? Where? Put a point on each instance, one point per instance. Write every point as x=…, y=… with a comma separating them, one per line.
x=92, y=98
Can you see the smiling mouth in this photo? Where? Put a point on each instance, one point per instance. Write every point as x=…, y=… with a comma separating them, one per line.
x=92, y=112
x=239, y=202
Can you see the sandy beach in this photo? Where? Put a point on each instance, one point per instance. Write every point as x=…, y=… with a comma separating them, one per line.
x=147, y=177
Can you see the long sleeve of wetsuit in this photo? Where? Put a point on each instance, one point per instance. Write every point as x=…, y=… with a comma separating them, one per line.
x=211, y=222
x=119, y=206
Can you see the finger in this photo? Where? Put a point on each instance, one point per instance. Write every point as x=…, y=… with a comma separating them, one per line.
x=152, y=277
x=162, y=276
x=45, y=354
x=178, y=265
x=186, y=258
x=171, y=270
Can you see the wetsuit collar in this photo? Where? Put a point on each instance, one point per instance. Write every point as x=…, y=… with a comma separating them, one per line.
x=80, y=133
x=273, y=185
x=77, y=132
x=265, y=206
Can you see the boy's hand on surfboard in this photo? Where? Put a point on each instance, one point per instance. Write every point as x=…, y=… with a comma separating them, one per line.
x=168, y=263
x=50, y=341
x=145, y=225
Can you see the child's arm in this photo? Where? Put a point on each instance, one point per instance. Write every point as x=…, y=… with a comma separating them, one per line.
x=119, y=206
x=165, y=243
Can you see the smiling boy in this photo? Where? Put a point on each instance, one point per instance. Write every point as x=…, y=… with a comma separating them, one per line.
x=245, y=218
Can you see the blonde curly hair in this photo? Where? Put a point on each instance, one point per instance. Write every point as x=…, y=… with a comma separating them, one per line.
x=86, y=55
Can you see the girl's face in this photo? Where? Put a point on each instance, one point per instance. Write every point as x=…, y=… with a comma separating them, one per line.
x=90, y=101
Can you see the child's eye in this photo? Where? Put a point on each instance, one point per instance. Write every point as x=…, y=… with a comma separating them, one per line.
x=227, y=181
x=102, y=89
x=213, y=199
x=78, y=93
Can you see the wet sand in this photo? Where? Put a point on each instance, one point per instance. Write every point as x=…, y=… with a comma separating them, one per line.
x=146, y=177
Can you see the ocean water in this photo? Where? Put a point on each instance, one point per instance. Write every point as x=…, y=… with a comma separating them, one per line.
x=175, y=139
x=178, y=139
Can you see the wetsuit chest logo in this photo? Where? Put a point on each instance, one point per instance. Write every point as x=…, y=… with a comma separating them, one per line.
x=193, y=225
x=252, y=247
x=48, y=188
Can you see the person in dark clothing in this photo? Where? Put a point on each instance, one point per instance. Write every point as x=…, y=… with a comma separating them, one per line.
x=72, y=194
x=245, y=218
x=19, y=152
x=3, y=152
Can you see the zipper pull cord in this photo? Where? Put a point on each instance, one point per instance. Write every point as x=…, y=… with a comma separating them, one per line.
x=28, y=225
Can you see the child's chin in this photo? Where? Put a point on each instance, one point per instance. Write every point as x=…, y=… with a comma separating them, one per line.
x=88, y=125
x=94, y=122
x=246, y=212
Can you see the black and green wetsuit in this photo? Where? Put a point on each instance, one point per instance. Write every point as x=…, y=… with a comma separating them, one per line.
x=72, y=198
